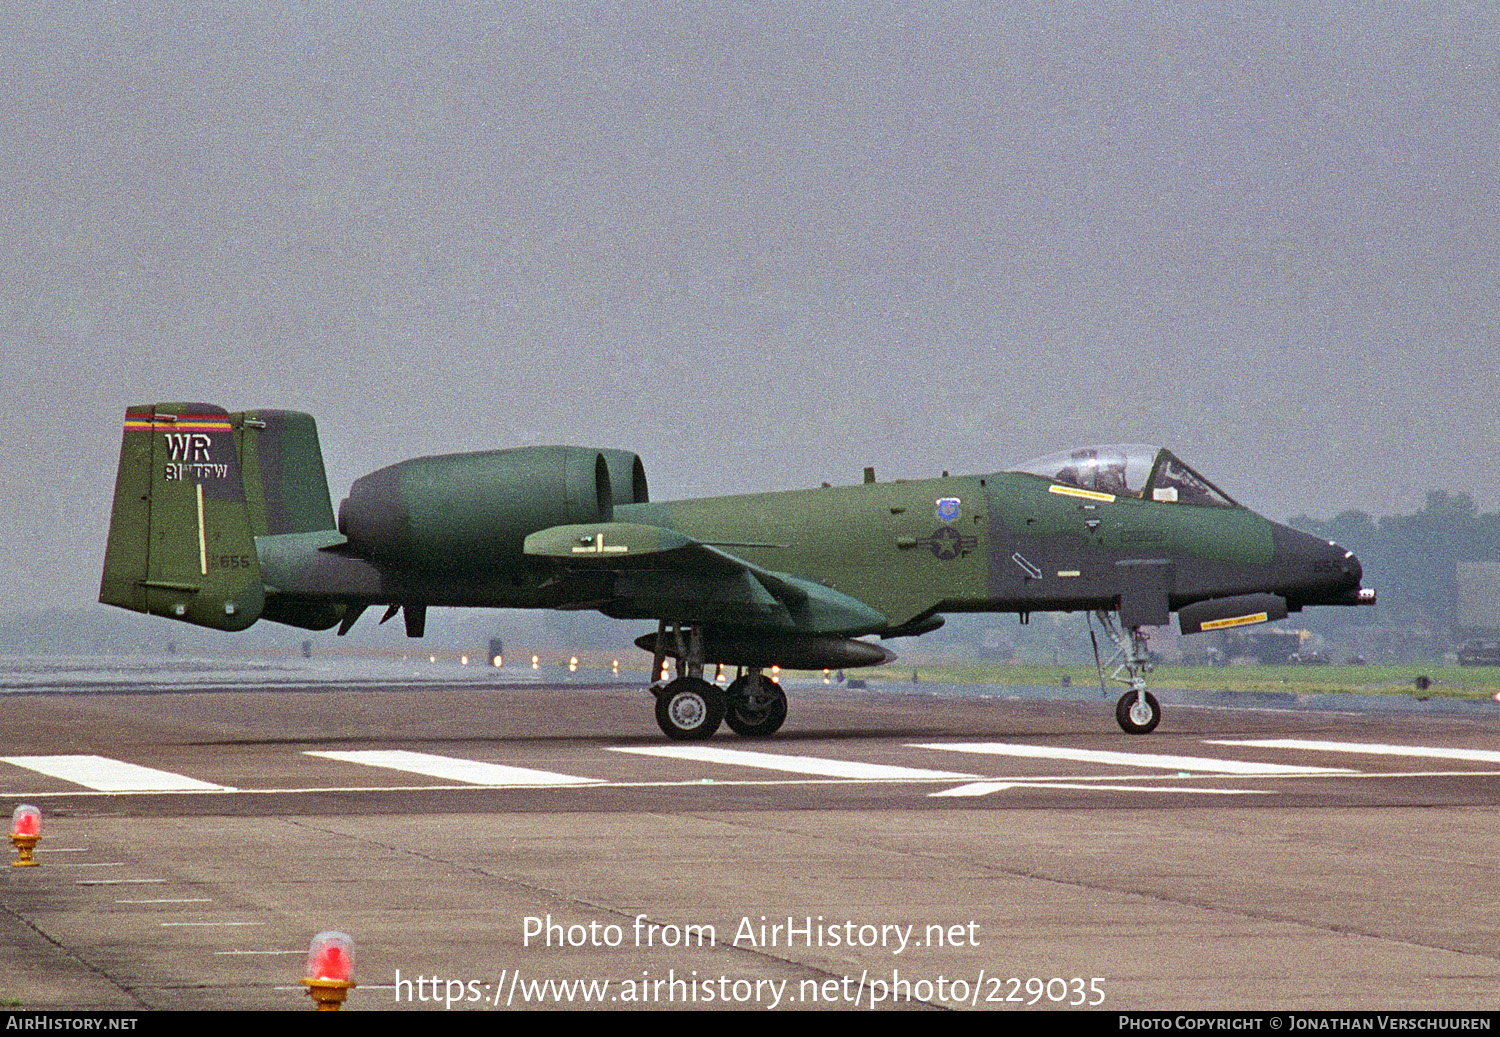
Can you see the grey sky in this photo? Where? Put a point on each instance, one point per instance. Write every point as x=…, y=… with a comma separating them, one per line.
x=761, y=245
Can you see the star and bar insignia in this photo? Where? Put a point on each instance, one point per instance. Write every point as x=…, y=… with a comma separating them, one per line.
x=947, y=543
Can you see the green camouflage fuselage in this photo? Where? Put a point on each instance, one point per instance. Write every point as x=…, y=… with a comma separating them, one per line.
x=220, y=519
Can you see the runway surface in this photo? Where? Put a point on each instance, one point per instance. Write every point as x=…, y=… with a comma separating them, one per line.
x=538, y=843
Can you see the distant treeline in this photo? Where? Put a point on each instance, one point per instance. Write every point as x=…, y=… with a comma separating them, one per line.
x=1411, y=560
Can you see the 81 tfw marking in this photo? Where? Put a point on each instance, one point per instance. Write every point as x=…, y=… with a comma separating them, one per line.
x=181, y=471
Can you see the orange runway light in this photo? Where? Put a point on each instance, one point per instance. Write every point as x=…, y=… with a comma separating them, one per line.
x=330, y=969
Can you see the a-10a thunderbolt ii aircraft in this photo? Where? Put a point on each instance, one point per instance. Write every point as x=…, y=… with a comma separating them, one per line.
x=223, y=518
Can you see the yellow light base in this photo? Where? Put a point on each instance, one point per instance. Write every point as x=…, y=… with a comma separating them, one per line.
x=24, y=845
x=328, y=993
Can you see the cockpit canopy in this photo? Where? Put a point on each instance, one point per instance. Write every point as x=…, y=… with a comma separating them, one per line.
x=1128, y=470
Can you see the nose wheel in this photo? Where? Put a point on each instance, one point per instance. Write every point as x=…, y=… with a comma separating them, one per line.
x=1138, y=712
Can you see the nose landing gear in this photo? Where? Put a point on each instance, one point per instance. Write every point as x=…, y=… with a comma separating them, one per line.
x=1137, y=712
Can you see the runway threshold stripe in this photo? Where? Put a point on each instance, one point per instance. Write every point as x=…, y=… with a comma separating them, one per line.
x=105, y=775
x=1370, y=748
x=1200, y=764
x=984, y=788
x=449, y=768
x=792, y=764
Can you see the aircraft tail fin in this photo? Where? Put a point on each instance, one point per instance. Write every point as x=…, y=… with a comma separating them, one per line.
x=181, y=536
x=286, y=487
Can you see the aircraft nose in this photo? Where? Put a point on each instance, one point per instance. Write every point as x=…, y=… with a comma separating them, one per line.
x=1334, y=560
x=1314, y=568
x=1350, y=565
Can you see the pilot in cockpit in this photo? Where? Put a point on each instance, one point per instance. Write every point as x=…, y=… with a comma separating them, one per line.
x=1097, y=470
x=1129, y=470
x=1111, y=478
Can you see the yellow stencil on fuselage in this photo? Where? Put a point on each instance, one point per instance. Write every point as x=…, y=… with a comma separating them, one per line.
x=1075, y=491
x=1236, y=621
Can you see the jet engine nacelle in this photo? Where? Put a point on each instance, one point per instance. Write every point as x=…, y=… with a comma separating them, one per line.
x=462, y=511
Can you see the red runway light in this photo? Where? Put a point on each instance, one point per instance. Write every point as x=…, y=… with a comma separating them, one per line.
x=25, y=833
x=330, y=970
x=27, y=820
x=331, y=957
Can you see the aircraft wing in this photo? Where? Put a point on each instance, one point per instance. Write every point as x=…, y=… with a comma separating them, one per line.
x=660, y=572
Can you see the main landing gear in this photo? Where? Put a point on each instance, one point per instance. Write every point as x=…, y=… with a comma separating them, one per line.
x=690, y=709
x=757, y=705
x=1137, y=712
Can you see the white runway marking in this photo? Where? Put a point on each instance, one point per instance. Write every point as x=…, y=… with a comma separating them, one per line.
x=1371, y=748
x=1198, y=764
x=451, y=768
x=169, y=900
x=984, y=788
x=105, y=775
x=794, y=764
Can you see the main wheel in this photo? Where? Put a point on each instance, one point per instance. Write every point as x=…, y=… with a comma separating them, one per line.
x=758, y=717
x=1138, y=713
x=689, y=709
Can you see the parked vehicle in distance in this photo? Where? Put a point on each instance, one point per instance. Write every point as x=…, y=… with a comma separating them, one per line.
x=1479, y=652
